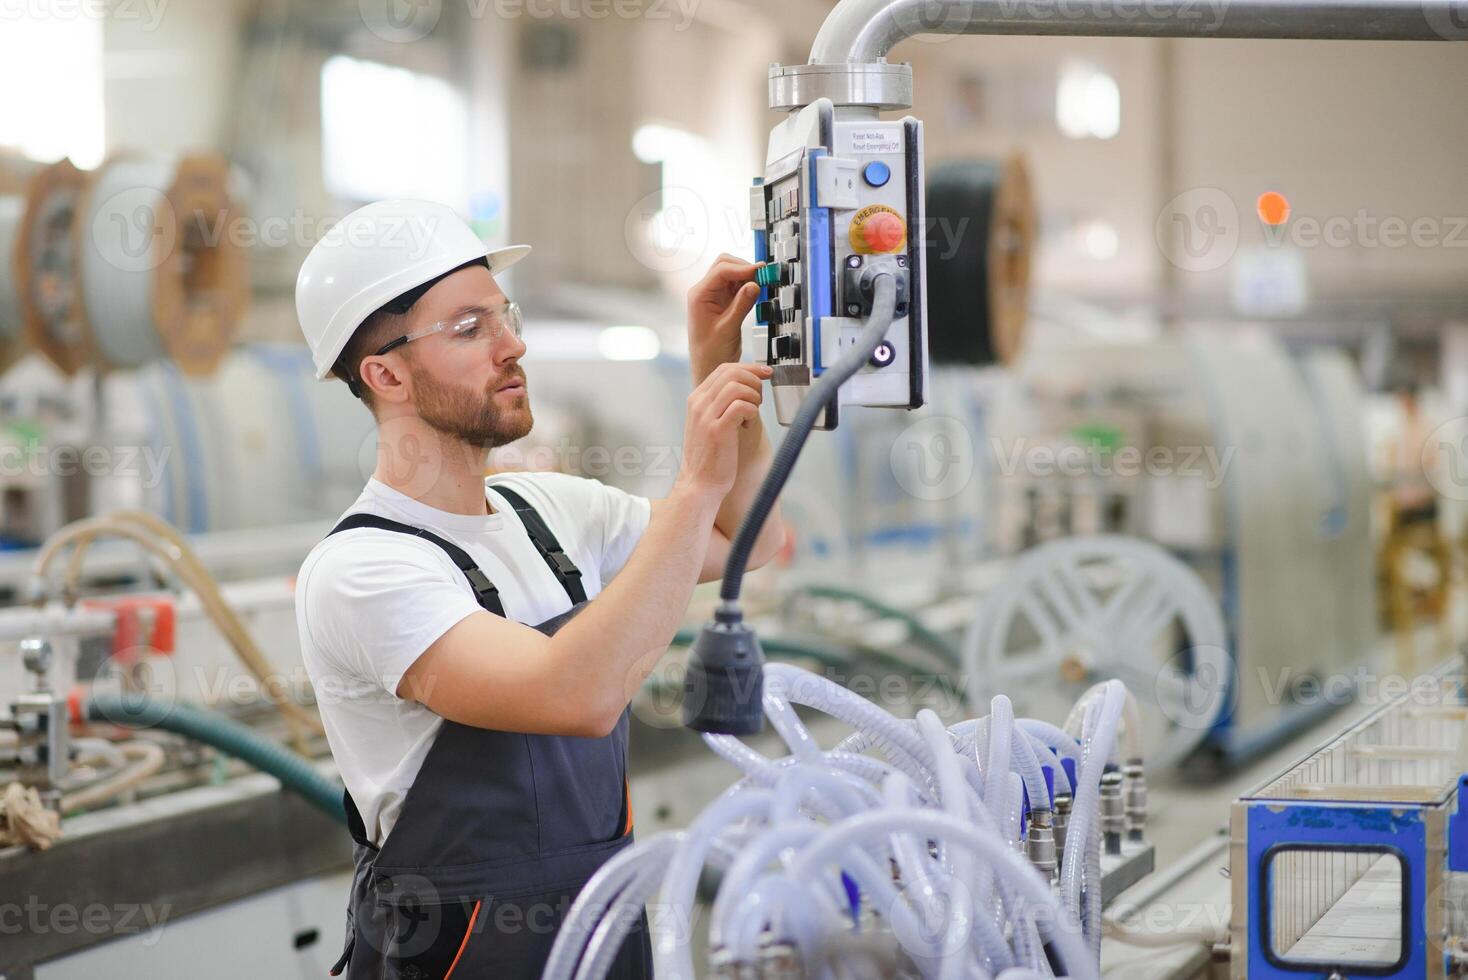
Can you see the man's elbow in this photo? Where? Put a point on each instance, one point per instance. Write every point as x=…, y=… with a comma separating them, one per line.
x=590, y=713
x=595, y=723
x=769, y=544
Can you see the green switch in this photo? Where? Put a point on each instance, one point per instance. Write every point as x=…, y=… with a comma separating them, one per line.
x=768, y=275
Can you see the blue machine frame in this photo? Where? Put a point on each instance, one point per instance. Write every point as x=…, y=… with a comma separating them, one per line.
x=1392, y=785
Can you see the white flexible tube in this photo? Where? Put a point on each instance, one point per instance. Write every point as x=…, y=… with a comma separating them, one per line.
x=1131, y=729
x=672, y=934
x=1014, y=815
x=1028, y=883
x=1058, y=740
x=731, y=750
x=896, y=740
x=1062, y=778
x=1131, y=726
x=755, y=858
x=1027, y=765
x=782, y=903
x=596, y=895
x=802, y=780
x=1084, y=816
x=753, y=861
x=811, y=841
x=919, y=871
x=618, y=921
x=955, y=803
x=1001, y=734
x=789, y=727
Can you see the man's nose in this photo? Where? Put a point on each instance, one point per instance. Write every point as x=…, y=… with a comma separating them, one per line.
x=507, y=347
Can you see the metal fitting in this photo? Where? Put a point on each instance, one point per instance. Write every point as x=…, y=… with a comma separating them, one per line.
x=1040, y=841
x=723, y=966
x=1134, y=788
x=779, y=961
x=1063, y=803
x=36, y=654
x=1113, y=811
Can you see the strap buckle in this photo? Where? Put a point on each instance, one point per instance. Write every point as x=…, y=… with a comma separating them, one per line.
x=479, y=582
x=563, y=564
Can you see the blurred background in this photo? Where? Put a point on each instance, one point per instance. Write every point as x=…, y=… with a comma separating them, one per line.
x=1225, y=320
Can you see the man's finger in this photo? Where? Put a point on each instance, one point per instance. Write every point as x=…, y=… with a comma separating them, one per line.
x=733, y=271
x=743, y=302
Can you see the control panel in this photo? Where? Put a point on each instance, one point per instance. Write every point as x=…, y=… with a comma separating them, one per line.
x=836, y=194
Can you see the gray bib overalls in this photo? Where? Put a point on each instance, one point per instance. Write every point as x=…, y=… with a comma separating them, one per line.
x=497, y=834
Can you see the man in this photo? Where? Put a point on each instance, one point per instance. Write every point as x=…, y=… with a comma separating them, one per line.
x=472, y=652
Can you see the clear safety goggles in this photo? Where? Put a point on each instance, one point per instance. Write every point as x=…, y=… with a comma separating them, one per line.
x=485, y=325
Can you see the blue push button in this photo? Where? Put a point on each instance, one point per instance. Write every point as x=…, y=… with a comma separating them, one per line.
x=876, y=173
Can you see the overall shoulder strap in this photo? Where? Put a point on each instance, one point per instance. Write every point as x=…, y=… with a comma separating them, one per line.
x=545, y=542
x=484, y=590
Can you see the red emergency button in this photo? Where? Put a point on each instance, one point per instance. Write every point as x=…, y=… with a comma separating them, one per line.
x=878, y=229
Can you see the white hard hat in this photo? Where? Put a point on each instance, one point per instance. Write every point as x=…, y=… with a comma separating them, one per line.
x=374, y=255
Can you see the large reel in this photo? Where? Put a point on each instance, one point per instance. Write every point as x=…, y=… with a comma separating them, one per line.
x=1080, y=610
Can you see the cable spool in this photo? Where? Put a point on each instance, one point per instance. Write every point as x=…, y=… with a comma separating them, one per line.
x=12, y=210
x=162, y=274
x=15, y=178
x=45, y=263
x=38, y=297
x=982, y=216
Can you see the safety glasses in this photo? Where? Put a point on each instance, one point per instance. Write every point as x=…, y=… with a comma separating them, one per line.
x=484, y=325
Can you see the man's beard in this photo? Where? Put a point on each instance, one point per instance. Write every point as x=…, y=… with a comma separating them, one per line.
x=471, y=416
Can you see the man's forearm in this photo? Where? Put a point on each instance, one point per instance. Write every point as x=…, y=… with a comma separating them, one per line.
x=614, y=643
x=755, y=456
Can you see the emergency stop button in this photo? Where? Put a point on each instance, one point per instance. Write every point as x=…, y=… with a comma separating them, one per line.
x=878, y=229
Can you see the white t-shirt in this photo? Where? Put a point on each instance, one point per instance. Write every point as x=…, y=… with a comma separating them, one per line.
x=369, y=602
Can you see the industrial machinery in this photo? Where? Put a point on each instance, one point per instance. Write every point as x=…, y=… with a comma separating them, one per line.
x=1092, y=606
x=1245, y=461
x=1354, y=862
x=840, y=191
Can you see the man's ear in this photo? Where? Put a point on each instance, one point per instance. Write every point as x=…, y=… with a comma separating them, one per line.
x=387, y=380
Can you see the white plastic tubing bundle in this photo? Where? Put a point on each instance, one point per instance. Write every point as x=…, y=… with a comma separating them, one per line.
x=907, y=846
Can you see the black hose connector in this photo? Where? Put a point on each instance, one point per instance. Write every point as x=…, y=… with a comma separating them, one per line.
x=723, y=687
